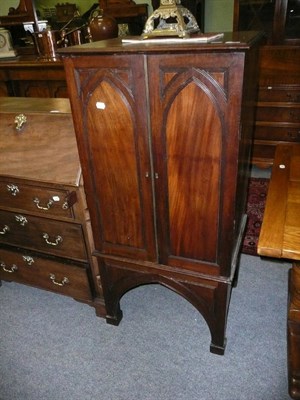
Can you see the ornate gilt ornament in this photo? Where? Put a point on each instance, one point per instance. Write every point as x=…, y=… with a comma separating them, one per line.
x=170, y=19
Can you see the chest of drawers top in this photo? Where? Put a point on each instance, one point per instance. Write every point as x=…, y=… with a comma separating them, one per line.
x=37, y=141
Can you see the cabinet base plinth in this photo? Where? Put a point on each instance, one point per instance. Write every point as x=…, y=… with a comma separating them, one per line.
x=100, y=308
x=210, y=297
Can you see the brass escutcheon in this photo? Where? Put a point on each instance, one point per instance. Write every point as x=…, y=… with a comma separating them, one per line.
x=20, y=121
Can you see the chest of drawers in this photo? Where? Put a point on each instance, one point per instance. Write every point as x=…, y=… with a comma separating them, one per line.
x=278, y=107
x=45, y=238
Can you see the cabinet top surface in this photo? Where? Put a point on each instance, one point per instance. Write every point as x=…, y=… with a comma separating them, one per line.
x=231, y=41
x=44, y=149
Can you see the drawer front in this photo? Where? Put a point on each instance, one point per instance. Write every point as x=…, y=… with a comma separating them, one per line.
x=42, y=200
x=278, y=114
x=286, y=134
x=42, y=149
x=70, y=280
x=281, y=94
x=63, y=239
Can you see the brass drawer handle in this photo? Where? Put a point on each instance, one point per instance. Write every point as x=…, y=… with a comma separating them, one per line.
x=13, y=189
x=21, y=219
x=10, y=270
x=294, y=135
x=4, y=230
x=47, y=207
x=20, y=121
x=62, y=283
x=58, y=239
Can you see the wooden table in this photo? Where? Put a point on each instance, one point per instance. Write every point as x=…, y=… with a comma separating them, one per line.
x=280, y=238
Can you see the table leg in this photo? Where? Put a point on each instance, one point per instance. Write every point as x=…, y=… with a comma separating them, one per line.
x=293, y=332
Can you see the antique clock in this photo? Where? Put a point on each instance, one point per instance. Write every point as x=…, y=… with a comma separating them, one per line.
x=6, y=47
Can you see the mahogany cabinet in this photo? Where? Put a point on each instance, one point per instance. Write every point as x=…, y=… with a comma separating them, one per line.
x=45, y=234
x=164, y=135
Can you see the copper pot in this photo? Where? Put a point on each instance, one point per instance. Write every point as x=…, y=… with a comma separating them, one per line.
x=102, y=26
x=46, y=43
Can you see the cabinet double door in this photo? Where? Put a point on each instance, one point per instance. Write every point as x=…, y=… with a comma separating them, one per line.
x=159, y=143
x=156, y=148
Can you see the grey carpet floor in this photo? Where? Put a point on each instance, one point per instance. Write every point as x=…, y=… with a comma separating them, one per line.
x=54, y=348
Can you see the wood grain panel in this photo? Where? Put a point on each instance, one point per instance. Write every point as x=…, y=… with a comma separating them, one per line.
x=46, y=137
x=193, y=163
x=117, y=181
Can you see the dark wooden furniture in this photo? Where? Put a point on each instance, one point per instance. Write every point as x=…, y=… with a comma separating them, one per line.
x=278, y=107
x=28, y=76
x=125, y=10
x=25, y=12
x=165, y=164
x=45, y=234
x=280, y=238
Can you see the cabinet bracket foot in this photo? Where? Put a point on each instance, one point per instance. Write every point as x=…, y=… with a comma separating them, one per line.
x=114, y=319
x=215, y=349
